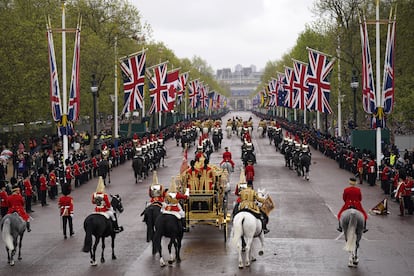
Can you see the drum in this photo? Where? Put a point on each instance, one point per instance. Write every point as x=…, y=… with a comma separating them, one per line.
x=267, y=206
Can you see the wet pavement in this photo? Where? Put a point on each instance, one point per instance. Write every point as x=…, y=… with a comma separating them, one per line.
x=302, y=240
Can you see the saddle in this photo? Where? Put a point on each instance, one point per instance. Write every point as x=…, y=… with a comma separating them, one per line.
x=102, y=213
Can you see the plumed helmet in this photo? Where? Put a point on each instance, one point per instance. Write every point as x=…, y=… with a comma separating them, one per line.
x=242, y=177
x=101, y=186
x=154, y=178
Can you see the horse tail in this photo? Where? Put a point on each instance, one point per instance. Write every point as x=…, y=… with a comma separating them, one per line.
x=87, y=244
x=156, y=242
x=6, y=234
x=351, y=236
x=237, y=231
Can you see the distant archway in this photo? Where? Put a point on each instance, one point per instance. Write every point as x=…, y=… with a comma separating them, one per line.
x=240, y=105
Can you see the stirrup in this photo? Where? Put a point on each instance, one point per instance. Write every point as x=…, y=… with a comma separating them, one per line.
x=365, y=230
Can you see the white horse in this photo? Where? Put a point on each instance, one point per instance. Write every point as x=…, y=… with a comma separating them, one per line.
x=239, y=130
x=352, y=222
x=246, y=227
x=260, y=131
x=12, y=231
x=229, y=131
x=226, y=165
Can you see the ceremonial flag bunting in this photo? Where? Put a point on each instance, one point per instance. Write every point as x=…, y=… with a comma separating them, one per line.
x=288, y=87
x=318, y=81
x=133, y=75
x=158, y=88
x=281, y=93
x=300, y=88
x=74, y=95
x=388, y=80
x=203, y=98
x=211, y=97
x=368, y=89
x=193, y=93
x=182, y=84
x=172, y=83
x=54, y=80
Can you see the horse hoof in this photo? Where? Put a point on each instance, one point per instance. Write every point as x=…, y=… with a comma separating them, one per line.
x=113, y=257
x=240, y=267
x=12, y=263
x=94, y=263
x=102, y=260
x=261, y=253
x=19, y=258
x=170, y=262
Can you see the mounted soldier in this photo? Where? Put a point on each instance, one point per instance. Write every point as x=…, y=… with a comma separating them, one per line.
x=172, y=203
x=103, y=206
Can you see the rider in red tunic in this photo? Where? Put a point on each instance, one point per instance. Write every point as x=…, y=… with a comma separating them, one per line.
x=227, y=157
x=352, y=197
x=102, y=204
x=15, y=203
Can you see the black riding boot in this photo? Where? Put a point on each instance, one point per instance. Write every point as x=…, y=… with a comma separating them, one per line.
x=184, y=224
x=365, y=227
x=264, y=225
x=117, y=229
x=339, y=229
x=28, y=226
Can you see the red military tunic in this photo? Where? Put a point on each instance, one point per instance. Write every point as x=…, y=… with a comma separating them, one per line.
x=16, y=204
x=227, y=158
x=94, y=162
x=52, y=179
x=76, y=169
x=352, y=197
x=174, y=206
x=66, y=205
x=28, y=190
x=43, y=183
x=105, y=204
x=68, y=173
x=249, y=172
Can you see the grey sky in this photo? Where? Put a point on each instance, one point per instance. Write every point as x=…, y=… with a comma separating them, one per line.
x=227, y=32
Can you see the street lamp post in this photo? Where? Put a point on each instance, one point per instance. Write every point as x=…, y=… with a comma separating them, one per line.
x=94, y=91
x=354, y=86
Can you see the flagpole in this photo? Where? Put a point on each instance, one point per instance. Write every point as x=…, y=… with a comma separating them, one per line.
x=116, y=92
x=378, y=89
x=64, y=91
x=339, y=89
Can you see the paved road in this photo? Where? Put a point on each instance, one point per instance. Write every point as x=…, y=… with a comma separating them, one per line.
x=302, y=240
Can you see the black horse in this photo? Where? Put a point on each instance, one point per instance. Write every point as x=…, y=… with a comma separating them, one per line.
x=100, y=227
x=138, y=166
x=169, y=226
x=305, y=162
x=151, y=214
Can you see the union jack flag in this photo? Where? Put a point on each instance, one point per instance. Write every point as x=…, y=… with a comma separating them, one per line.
x=281, y=93
x=203, y=96
x=288, y=87
x=172, y=83
x=182, y=83
x=368, y=89
x=388, y=81
x=74, y=96
x=133, y=75
x=273, y=90
x=193, y=93
x=54, y=80
x=300, y=87
x=158, y=88
x=318, y=81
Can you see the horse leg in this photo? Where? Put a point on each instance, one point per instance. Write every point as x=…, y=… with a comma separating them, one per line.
x=261, y=238
x=113, y=247
x=19, y=257
x=177, y=251
x=103, y=250
x=172, y=241
x=162, y=262
x=93, y=252
x=248, y=254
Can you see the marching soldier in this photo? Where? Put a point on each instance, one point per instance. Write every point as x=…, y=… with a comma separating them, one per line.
x=66, y=212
